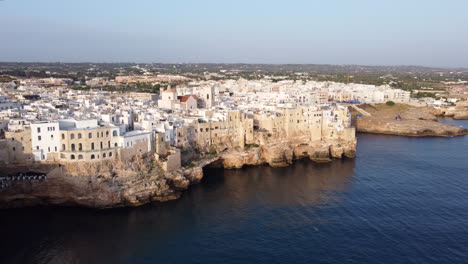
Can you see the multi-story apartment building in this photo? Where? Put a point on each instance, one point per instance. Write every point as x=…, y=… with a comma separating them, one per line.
x=87, y=141
x=45, y=139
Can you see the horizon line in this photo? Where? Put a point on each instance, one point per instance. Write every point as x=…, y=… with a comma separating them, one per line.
x=242, y=63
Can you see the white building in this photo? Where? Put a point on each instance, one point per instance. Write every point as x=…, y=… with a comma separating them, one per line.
x=44, y=139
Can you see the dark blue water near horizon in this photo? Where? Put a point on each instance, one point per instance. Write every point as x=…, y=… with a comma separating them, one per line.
x=402, y=200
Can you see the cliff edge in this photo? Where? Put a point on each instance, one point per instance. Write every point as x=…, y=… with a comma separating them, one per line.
x=403, y=120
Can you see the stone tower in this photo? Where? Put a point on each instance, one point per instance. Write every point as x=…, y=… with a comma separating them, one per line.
x=208, y=95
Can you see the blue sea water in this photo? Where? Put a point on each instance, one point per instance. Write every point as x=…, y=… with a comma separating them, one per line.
x=402, y=200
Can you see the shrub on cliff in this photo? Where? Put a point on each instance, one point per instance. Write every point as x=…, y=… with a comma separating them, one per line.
x=390, y=103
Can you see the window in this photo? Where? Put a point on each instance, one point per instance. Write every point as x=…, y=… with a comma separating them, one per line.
x=63, y=147
x=104, y=155
x=108, y=144
x=80, y=147
x=38, y=130
x=97, y=134
x=90, y=135
x=80, y=157
x=14, y=149
x=73, y=147
x=93, y=157
x=72, y=136
x=39, y=138
x=92, y=146
x=115, y=144
x=55, y=149
x=51, y=136
x=101, y=145
x=114, y=133
x=107, y=133
x=72, y=157
x=79, y=135
x=63, y=136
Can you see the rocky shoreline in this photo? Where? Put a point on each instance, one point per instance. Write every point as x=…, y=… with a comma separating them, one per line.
x=409, y=128
x=413, y=122
x=116, y=184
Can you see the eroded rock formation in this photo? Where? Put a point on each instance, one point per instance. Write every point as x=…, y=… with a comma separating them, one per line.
x=141, y=180
x=283, y=153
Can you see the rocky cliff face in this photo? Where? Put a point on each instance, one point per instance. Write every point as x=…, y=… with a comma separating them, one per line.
x=407, y=127
x=456, y=112
x=283, y=153
x=100, y=185
x=141, y=180
x=416, y=121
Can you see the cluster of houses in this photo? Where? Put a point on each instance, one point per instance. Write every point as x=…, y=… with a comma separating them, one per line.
x=63, y=125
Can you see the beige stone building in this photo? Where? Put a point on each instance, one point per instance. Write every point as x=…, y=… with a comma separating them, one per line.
x=88, y=144
x=235, y=131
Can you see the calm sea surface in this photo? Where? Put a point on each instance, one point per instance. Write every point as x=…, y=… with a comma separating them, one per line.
x=402, y=200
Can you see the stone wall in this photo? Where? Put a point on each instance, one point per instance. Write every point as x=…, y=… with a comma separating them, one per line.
x=17, y=147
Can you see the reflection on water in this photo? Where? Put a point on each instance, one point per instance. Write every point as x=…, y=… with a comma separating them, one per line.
x=231, y=197
x=305, y=183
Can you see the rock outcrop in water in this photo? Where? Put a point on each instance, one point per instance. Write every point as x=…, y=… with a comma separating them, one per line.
x=415, y=122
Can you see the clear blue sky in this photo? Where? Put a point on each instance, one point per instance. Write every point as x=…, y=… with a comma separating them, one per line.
x=368, y=32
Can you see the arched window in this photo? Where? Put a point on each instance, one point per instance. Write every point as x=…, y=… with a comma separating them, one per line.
x=63, y=136
x=92, y=146
x=101, y=145
x=73, y=147
x=114, y=133
x=63, y=147
x=80, y=157
x=104, y=155
x=92, y=156
x=110, y=154
x=107, y=133
x=90, y=135
x=72, y=157
x=115, y=144
x=72, y=136
x=80, y=147
x=108, y=144
x=79, y=135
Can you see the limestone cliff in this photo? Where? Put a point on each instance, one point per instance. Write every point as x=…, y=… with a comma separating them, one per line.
x=415, y=121
x=100, y=185
x=455, y=112
x=283, y=153
x=410, y=127
x=141, y=180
